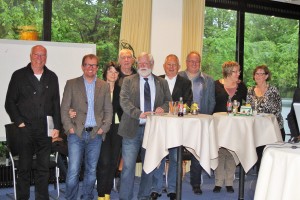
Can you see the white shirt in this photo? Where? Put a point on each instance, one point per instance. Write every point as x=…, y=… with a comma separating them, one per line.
x=171, y=82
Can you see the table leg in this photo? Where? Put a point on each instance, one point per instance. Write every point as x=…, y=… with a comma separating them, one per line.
x=241, y=183
x=179, y=173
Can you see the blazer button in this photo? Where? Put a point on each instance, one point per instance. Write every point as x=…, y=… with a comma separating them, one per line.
x=82, y=123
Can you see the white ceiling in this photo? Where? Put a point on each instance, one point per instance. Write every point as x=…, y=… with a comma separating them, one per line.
x=290, y=1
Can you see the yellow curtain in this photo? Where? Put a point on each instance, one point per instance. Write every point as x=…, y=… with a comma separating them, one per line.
x=192, y=27
x=136, y=24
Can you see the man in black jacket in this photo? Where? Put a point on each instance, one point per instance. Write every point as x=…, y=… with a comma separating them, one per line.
x=179, y=87
x=32, y=95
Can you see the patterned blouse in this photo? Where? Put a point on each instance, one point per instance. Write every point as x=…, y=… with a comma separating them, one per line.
x=270, y=102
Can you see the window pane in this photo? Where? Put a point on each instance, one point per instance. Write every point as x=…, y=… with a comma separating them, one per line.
x=18, y=16
x=95, y=22
x=219, y=41
x=272, y=41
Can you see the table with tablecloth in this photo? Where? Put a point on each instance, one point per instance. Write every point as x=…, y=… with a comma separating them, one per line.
x=279, y=176
x=195, y=132
x=241, y=135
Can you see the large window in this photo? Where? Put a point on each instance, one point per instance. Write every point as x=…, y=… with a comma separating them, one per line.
x=272, y=41
x=96, y=22
x=20, y=16
x=79, y=21
x=219, y=43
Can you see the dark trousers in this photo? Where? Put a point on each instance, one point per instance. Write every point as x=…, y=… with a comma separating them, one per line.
x=32, y=142
x=108, y=161
x=195, y=173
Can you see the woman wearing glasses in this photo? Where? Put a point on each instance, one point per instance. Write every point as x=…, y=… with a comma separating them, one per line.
x=265, y=98
x=231, y=87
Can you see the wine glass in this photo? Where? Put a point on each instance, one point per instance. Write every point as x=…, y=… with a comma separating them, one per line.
x=235, y=106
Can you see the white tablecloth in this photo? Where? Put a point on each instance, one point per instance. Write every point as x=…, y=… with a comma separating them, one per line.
x=279, y=174
x=242, y=134
x=195, y=132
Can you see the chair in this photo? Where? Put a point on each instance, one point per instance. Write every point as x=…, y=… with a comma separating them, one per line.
x=12, y=144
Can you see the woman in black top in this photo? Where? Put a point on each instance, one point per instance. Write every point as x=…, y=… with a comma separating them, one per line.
x=228, y=87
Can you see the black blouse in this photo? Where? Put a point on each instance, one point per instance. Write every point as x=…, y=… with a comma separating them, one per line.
x=222, y=96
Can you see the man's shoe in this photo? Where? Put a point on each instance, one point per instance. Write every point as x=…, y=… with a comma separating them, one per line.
x=197, y=190
x=217, y=189
x=172, y=196
x=154, y=195
x=230, y=189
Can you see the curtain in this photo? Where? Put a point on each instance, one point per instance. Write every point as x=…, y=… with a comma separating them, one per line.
x=136, y=24
x=192, y=27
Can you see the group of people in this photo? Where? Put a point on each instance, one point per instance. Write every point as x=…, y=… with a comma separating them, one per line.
x=104, y=120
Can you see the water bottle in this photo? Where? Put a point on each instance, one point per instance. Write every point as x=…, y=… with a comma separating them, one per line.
x=229, y=105
x=180, y=107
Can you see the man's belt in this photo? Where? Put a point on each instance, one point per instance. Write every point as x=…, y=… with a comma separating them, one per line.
x=88, y=129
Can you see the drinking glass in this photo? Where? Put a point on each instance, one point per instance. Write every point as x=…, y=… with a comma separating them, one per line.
x=235, y=105
x=173, y=107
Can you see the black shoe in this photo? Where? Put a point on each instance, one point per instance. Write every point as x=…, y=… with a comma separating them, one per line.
x=172, y=196
x=217, y=189
x=197, y=190
x=230, y=189
x=154, y=195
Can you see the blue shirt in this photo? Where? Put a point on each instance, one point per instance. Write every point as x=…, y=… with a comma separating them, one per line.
x=90, y=93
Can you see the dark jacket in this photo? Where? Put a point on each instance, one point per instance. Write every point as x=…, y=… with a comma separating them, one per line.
x=291, y=118
x=130, y=102
x=116, y=102
x=30, y=101
x=182, y=88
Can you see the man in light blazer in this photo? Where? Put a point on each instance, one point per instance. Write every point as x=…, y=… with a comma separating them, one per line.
x=203, y=87
x=179, y=87
x=90, y=98
x=133, y=121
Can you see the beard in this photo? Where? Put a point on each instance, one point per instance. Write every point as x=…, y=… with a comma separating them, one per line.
x=144, y=72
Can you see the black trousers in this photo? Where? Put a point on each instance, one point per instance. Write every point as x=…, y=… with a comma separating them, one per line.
x=108, y=161
x=32, y=142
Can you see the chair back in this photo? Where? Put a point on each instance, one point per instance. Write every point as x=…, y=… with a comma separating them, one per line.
x=12, y=138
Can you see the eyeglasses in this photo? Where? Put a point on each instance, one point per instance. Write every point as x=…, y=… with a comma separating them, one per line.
x=90, y=65
x=194, y=62
x=259, y=74
x=39, y=55
x=237, y=72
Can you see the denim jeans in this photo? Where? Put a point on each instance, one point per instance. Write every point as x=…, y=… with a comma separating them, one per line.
x=86, y=148
x=195, y=173
x=157, y=183
x=130, y=150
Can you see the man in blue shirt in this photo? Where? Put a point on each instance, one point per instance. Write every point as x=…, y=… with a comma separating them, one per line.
x=203, y=87
x=90, y=98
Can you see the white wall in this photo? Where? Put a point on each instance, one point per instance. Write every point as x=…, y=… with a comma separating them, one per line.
x=166, y=31
x=63, y=58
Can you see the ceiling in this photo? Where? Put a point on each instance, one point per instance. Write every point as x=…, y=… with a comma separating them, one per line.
x=290, y=1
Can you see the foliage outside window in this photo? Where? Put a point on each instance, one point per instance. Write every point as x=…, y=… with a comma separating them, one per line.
x=219, y=40
x=272, y=41
x=79, y=21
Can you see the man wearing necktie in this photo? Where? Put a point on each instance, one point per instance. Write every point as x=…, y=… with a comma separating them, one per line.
x=140, y=94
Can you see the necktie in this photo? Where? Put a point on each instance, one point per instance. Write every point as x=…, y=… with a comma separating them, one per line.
x=147, y=96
